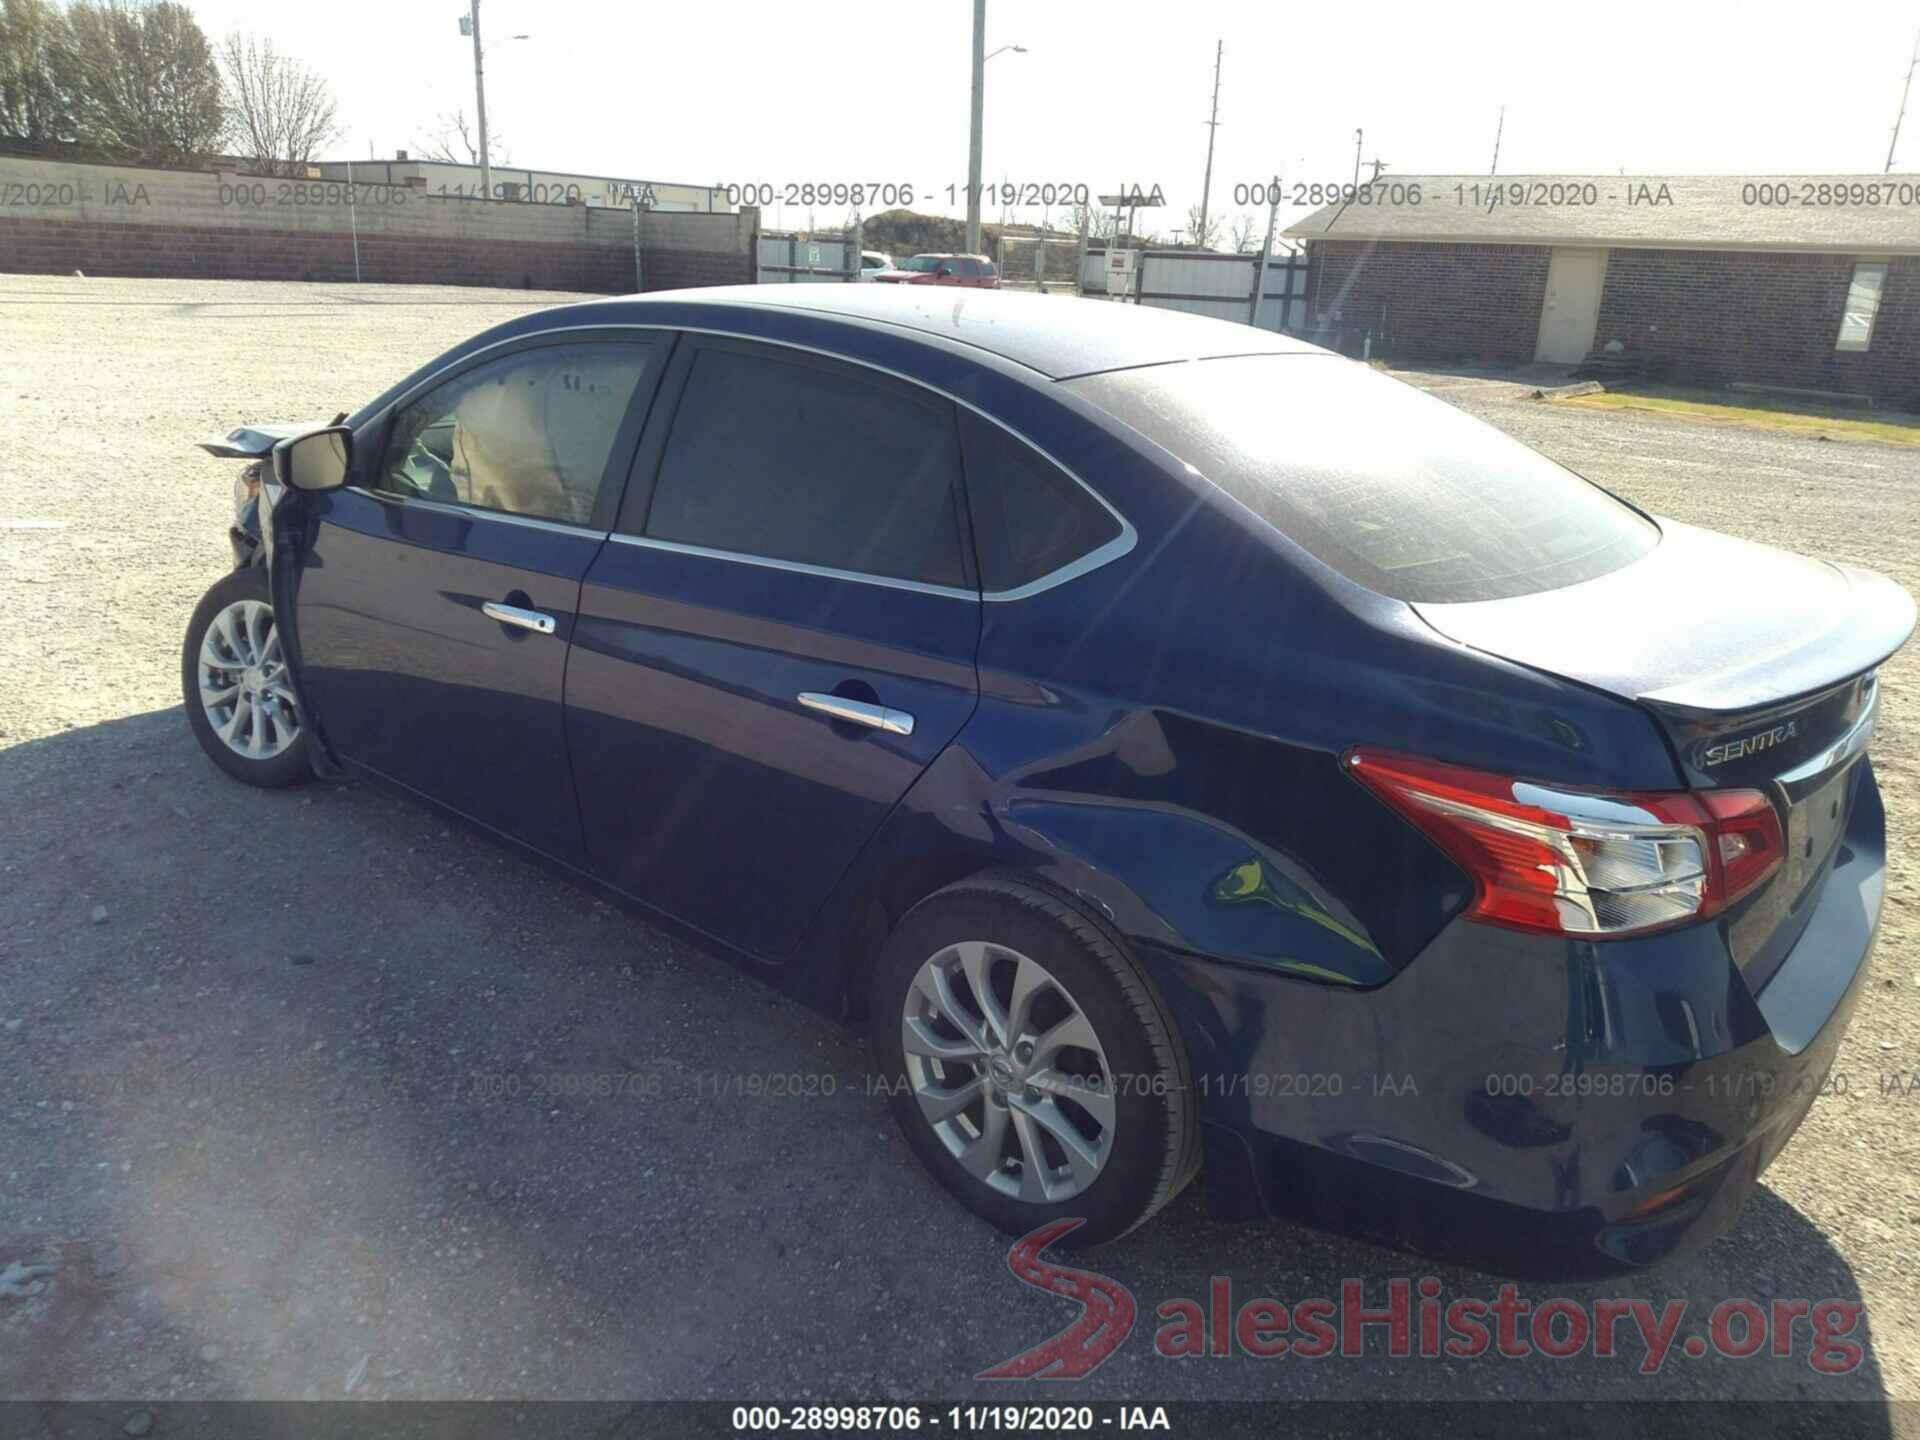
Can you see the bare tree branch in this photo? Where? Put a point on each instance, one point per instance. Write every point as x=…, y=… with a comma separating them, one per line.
x=280, y=113
x=1099, y=221
x=1201, y=236
x=456, y=143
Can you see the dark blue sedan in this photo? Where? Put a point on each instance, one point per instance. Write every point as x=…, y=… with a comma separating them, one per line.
x=1187, y=750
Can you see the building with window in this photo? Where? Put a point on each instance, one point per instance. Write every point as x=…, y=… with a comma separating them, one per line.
x=1800, y=282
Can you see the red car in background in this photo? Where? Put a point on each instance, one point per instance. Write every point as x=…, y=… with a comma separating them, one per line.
x=974, y=271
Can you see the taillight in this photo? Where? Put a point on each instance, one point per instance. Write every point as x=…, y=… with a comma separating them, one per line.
x=1572, y=862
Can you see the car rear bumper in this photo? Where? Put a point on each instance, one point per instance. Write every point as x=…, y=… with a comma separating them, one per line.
x=1531, y=1106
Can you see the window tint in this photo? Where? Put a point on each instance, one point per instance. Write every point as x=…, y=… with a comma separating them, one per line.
x=1863, y=305
x=1393, y=488
x=529, y=434
x=1029, y=518
x=794, y=460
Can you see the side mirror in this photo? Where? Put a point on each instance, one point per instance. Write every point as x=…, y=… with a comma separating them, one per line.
x=315, y=461
x=944, y=270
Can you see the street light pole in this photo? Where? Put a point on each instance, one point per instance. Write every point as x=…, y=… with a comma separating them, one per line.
x=480, y=103
x=974, y=140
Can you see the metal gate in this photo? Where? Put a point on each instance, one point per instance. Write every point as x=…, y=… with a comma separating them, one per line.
x=794, y=258
x=1222, y=286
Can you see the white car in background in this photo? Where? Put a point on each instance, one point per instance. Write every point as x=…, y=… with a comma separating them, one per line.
x=872, y=262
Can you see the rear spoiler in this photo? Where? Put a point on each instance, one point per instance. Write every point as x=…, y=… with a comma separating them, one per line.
x=1703, y=624
x=1875, y=619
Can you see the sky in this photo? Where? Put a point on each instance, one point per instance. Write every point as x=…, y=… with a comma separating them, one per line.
x=1109, y=93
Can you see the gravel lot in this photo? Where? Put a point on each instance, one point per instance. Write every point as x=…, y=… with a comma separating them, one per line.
x=239, y=1030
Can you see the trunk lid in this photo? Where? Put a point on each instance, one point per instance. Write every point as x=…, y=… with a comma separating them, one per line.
x=1757, y=665
x=1701, y=625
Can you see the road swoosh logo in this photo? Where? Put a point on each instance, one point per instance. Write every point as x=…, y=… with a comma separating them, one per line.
x=1106, y=1318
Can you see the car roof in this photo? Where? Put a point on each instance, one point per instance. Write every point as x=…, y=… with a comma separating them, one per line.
x=1059, y=336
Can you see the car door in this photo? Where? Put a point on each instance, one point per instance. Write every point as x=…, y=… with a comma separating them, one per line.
x=436, y=601
x=777, y=640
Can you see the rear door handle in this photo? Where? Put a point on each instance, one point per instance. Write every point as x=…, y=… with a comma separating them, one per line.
x=859, y=712
x=514, y=615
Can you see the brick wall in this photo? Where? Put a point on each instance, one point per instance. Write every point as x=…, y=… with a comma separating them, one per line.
x=1699, y=317
x=107, y=220
x=1714, y=317
x=1438, y=302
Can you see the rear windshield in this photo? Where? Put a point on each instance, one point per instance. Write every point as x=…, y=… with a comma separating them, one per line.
x=1391, y=487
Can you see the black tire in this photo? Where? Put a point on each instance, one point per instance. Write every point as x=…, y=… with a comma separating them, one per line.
x=290, y=766
x=1155, y=1140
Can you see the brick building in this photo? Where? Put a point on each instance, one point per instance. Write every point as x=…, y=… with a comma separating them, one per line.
x=1797, y=281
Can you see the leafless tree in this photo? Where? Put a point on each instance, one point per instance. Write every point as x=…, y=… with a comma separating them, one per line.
x=1246, y=234
x=457, y=143
x=1099, y=221
x=280, y=112
x=1201, y=232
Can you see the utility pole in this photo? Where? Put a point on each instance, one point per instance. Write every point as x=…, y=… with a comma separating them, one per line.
x=480, y=103
x=1260, y=263
x=1357, y=137
x=973, y=148
x=1501, y=126
x=1905, y=90
x=1202, y=238
x=1080, y=257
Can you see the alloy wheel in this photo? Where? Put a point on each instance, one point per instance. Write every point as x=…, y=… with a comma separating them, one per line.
x=1009, y=1072
x=243, y=682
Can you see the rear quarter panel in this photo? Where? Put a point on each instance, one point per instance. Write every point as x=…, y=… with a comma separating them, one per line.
x=1161, y=737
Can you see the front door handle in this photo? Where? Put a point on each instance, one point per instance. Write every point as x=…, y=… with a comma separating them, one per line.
x=859, y=712
x=514, y=615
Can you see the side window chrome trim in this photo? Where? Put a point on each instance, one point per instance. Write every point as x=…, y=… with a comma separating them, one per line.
x=477, y=512
x=1121, y=544
x=920, y=587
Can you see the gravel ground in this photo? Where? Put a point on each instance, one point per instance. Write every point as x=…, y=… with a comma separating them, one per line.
x=239, y=1031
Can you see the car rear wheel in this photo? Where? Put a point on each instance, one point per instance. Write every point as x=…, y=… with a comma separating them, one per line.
x=239, y=697
x=1031, y=1063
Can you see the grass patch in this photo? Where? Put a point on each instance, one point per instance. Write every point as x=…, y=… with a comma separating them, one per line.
x=1783, y=414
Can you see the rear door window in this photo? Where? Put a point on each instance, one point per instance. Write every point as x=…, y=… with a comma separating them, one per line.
x=788, y=458
x=1030, y=518
x=1391, y=487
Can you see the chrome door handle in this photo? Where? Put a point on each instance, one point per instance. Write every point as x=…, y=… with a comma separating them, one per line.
x=514, y=615
x=858, y=712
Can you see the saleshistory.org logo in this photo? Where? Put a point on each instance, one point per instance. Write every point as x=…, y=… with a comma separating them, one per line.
x=1106, y=1313
x=1414, y=1321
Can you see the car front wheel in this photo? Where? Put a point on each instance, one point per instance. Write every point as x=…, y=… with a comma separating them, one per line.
x=1031, y=1063
x=239, y=697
